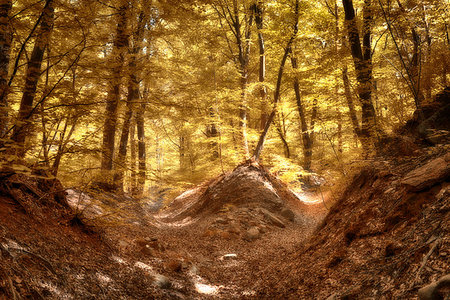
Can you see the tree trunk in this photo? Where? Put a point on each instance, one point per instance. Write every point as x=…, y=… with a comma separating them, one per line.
x=141, y=144
x=362, y=59
x=306, y=133
x=109, y=129
x=133, y=95
x=133, y=159
x=287, y=50
x=351, y=106
x=62, y=145
x=22, y=128
x=281, y=129
x=415, y=66
x=258, y=11
x=5, y=45
x=212, y=133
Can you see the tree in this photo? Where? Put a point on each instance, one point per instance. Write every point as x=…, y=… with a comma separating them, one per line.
x=276, y=97
x=133, y=95
x=23, y=125
x=362, y=59
x=5, y=44
x=117, y=57
x=241, y=31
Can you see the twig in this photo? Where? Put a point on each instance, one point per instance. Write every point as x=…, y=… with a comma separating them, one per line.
x=425, y=259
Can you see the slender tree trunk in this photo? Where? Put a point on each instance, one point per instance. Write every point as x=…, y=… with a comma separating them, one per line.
x=22, y=128
x=112, y=102
x=212, y=133
x=258, y=11
x=243, y=44
x=276, y=98
x=362, y=59
x=133, y=95
x=64, y=139
x=339, y=132
x=306, y=133
x=5, y=45
x=309, y=141
x=133, y=158
x=142, y=157
x=281, y=129
x=351, y=106
x=122, y=153
x=415, y=67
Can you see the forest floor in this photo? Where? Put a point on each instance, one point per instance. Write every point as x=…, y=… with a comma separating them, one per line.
x=241, y=235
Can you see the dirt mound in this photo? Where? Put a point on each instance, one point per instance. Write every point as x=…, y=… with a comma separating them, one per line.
x=38, y=194
x=245, y=202
x=388, y=236
x=48, y=252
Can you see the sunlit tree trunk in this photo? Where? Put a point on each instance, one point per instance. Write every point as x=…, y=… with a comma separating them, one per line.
x=212, y=133
x=133, y=95
x=281, y=129
x=362, y=59
x=23, y=124
x=240, y=26
x=5, y=45
x=63, y=140
x=112, y=102
x=243, y=43
x=133, y=158
x=276, y=97
x=142, y=156
x=415, y=67
x=307, y=132
x=350, y=104
x=258, y=9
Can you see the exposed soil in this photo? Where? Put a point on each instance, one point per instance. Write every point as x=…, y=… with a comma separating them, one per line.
x=241, y=235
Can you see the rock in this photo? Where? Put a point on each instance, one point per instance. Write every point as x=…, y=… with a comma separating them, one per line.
x=252, y=234
x=229, y=256
x=224, y=234
x=272, y=219
x=436, y=290
x=146, y=250
x=220, y=221
x=429, y=174
x=174, y=265
x=162, y=281
x=288, y=214
x=234, y=228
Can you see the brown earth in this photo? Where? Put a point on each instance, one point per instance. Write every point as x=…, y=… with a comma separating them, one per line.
x=241, y=235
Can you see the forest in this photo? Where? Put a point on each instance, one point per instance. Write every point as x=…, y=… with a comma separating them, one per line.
x=201, y=144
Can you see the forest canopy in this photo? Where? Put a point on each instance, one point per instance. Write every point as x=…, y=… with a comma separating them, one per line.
x=128, y=95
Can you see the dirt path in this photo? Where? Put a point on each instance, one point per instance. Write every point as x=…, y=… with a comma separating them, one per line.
x=227, y=266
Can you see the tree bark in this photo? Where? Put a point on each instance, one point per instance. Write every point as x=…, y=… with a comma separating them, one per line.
x=306, y=133
x=351, y=106
x=258, y=12
x=5, y=45
x=112, y=102
x=23, y=124
x=142, y=157
x=414, y=67
x=243, y=43
x=133, y=158
x=212, y=133
x=133, y=95
x=362, y=59
x=287, y=50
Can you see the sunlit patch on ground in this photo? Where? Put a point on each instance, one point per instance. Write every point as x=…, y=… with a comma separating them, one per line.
x=310, y=198
x=206, y=288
